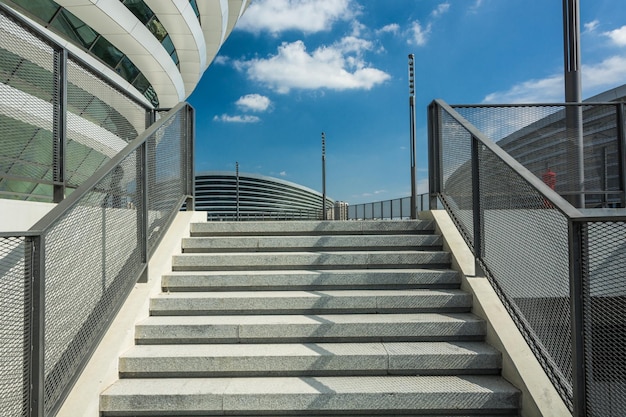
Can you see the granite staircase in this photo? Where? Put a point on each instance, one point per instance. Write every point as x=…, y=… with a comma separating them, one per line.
x=310, y=319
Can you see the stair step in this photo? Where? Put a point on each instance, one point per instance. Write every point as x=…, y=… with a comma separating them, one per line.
x=399, y=358
x=310, y=328
x=446, y=395
x=291, y=228
x=311, y=302
x=314, y=260
x=310, y=279
x=310, y=243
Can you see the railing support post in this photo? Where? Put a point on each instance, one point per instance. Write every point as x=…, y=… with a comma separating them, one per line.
x=621, y=151
x=476, y=207
x=35, y=252
x=434, y=153
x=59, y=125
x=188, y=158
x=577, y=234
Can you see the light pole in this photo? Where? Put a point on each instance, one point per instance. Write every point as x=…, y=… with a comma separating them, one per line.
x=412, y=127
x=237, y=189
x=573, y=113
x=323, y=176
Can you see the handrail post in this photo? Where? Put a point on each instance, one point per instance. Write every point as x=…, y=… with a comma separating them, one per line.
x=621, y=151
x=476, y=207
x=142, y=177
x=576, y=247
x=188, y=158
x=434, y=173
x=36, y=254
x=59, y=124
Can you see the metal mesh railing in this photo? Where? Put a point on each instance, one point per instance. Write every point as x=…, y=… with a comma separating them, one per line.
x=399, y=208
x=91, y=249
x=558, y=272
x=60, y=121
x=604, y=256
x=15, y=295
x=545, y=139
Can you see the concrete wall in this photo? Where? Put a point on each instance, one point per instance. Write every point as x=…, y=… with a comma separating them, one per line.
x=18, y=216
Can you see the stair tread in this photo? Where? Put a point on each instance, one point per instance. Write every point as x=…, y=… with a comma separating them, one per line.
x=283, y=302
x=310, y=394
x=400, y=358
x=294, y=243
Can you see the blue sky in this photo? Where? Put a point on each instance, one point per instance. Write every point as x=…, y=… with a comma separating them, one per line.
x=293, y=69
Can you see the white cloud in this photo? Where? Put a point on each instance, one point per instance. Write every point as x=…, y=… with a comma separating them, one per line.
x=254, y=102
x=596, y=78
x=283, y=173
x=618, y=36
x=545, y=90
x=308, y=16
x=591, y=26
x=336, y=67
x=441, y=9
x=390, y=28
x=221, y=60
x=236, y=119
x=418, y=35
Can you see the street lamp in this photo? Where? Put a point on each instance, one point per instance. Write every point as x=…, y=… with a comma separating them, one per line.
x=412, y=127
x=323, y=176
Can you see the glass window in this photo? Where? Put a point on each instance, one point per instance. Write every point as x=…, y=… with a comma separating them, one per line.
x=139, y=9
x=194, y=6
x=168, y=44
x=69, y=25
x=104, y=50
x=127, y=69
x=157, y=29
x=43, y=10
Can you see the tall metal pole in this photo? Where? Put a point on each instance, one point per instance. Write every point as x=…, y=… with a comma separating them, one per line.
x=237, y=189
x=573, y=114
x=323, y=176
x=412, y=127
x=574, y=128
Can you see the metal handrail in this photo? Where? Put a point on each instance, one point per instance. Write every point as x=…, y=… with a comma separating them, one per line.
x=577, y=220
x=35, y=248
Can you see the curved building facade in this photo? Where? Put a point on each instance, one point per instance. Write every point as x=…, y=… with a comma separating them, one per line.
x=228, y=196
x=80, y=79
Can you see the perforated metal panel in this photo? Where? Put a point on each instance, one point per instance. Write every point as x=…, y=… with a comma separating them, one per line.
x=543, y=137
x=27, y=91
x=14, y=328
x=100, y=122
x=93, y=257
x=456, y=146
x=525, y=248
x=605, y=318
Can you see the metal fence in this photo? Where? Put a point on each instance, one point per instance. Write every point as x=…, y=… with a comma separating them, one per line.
x=64, y=280
x=59, y=120
x=558, y=269
x=399, y=208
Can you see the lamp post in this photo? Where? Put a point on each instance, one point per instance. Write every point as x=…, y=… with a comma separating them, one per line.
x=323, y=176
x=412, y=128
x=237, y=189
x=573, y=114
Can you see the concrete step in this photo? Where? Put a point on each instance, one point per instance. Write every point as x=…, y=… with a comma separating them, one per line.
x=310, y=243
x=310, y=328
x=310, y=279
x=291, y=228
x=356, y=359
x=383, y=395
x=310, y=260
x=310, y=302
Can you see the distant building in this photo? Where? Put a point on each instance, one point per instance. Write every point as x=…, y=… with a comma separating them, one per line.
x=226, y=196
x=341, y=210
